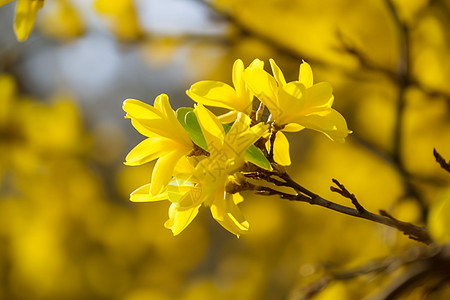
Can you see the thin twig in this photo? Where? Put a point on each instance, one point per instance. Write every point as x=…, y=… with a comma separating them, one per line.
x=345, y=193
x=441, y=161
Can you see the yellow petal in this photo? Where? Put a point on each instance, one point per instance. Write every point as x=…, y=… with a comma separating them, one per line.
x=163, y=105
x=184, y=192
x=148, y=150
x=264, y=86
x=305, y=75
x=281, y=149
x=238, y=78
x=184, y=166
x=229, y=117
x=292, y=127
x=228, y=214
x=154, y=128
x=160, y=120
x=214, y=93
x=241, y=135
x=276, y=71
x=140, y=110
x=257, y=63
x=26, y=12
x=180, y=219
x=291, y=99
x=142, y=194
x=174, y=130
x=211, y=127
x=162, y=173
x=330, y=122
x=320, y=96
x=237, y=198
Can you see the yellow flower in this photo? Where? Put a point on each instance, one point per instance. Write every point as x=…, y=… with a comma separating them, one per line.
x=26, y=11
x=206, y=182
x=296, y=105
x=167, y=140
x=219, y=94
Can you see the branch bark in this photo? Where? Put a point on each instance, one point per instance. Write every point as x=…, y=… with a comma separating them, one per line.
x=302, y=194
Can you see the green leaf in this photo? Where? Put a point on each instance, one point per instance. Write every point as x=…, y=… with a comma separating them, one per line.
x=188, y=120
x=256, y=157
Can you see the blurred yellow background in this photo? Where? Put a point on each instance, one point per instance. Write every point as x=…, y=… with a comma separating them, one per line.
x=67, y=229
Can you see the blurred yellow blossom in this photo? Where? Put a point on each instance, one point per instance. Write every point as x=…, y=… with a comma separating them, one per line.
x=26, y=11
x=439, y=218
x=7, y=93
x=122, y=18
x=69, y=22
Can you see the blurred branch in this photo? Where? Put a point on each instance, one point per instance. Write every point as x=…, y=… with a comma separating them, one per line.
x=441, y=161
x=304, y=195
x=364, y=61
x=433, y=268
x=419, y=264
x=403, y=78
x=245, y=31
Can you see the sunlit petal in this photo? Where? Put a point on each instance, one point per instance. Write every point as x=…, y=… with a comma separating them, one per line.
x=142, y=194
x=140, y=110
x=229, y=117
x=265, y=88
x=330, y=122
x=319, y=95
x=293, y=127
x=291, y=99
x=238, y=79
x=228, y=214
x=148, y=150
x=277, y=73
x=305, y=74
x=180, y=218
x=211, y=127
x=214, y=93
x=281, y=150
x=241, y=135
x=162, y=173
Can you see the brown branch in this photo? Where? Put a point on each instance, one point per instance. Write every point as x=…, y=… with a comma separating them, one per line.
x=304, y=195
x=441, y=161
x=345, y=193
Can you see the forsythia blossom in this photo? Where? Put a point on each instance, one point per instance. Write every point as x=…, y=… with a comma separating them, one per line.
x=296, y=105
x=200, y=159
x=166, y=140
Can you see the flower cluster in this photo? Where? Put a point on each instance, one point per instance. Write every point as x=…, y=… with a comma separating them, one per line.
x=200, y=156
